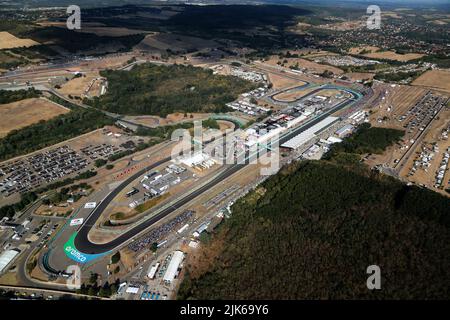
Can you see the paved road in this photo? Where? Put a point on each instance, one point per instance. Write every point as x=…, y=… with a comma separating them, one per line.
x=83, y=244
x=48, y=292
x=40, y=85
x=417, y=139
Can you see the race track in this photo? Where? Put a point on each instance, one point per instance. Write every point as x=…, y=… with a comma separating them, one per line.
x=84, y=245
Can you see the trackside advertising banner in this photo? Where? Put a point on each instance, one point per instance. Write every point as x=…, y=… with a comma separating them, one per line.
x=74, y=254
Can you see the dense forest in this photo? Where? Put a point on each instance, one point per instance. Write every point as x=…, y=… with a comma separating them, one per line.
x=235, y=17
x=311, y=231
x=7, y=96
x=397, y=76
x=260, y=27
x=55, y=130
x=161, y=90
x=73, y=41
x=367, y=139
x=239, y=23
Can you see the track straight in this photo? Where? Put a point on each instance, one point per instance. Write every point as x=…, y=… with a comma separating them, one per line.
x=84, y=245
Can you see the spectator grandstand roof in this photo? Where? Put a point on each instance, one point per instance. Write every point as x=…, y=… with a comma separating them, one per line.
x=6, y=257
x=310, y=133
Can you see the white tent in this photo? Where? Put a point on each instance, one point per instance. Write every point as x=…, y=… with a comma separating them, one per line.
x=174, y=264
x=6, y=258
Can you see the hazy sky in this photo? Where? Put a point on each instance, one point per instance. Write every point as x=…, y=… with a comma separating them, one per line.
x=403, y=3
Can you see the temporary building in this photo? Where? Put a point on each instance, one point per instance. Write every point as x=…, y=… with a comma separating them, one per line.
x=174, y=264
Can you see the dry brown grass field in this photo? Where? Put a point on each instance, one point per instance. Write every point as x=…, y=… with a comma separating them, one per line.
x=438, y=22
x=23, y=113
x=8, y=41
x=433, y=136
x=357, y=50
x=280, y=82
x=78, y=86
x=320, y=54
x=225, y=125
x=173, y=118
x=400, y=99
x=391, y=55
x=293, y=96
x=434, y=79
x=345, y=25
x=300, y=28
x=303, y=63
x=359, y=76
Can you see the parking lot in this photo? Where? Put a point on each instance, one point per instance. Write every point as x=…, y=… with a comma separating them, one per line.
x=421, y=113
x=43, y=167
x=159, y=233
x=428, y=165
x=23, y=175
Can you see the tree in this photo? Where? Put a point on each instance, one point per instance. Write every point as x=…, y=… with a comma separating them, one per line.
x=92, y=291
x=117, y=269
x=7, y=96
x=47, y=133
x=333, y=217
x=115, y=258
x=210, y=123
x=105, y=290
x=139, y=91
x=93, y=278
x=100, y=162
x=327, y=74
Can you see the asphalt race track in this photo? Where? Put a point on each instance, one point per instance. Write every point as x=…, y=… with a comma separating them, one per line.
x=82, y=242
x=84, y=245
x=290, y=90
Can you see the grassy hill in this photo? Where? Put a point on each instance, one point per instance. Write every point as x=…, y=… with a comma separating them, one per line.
x=161, y=90
x=311, y=231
